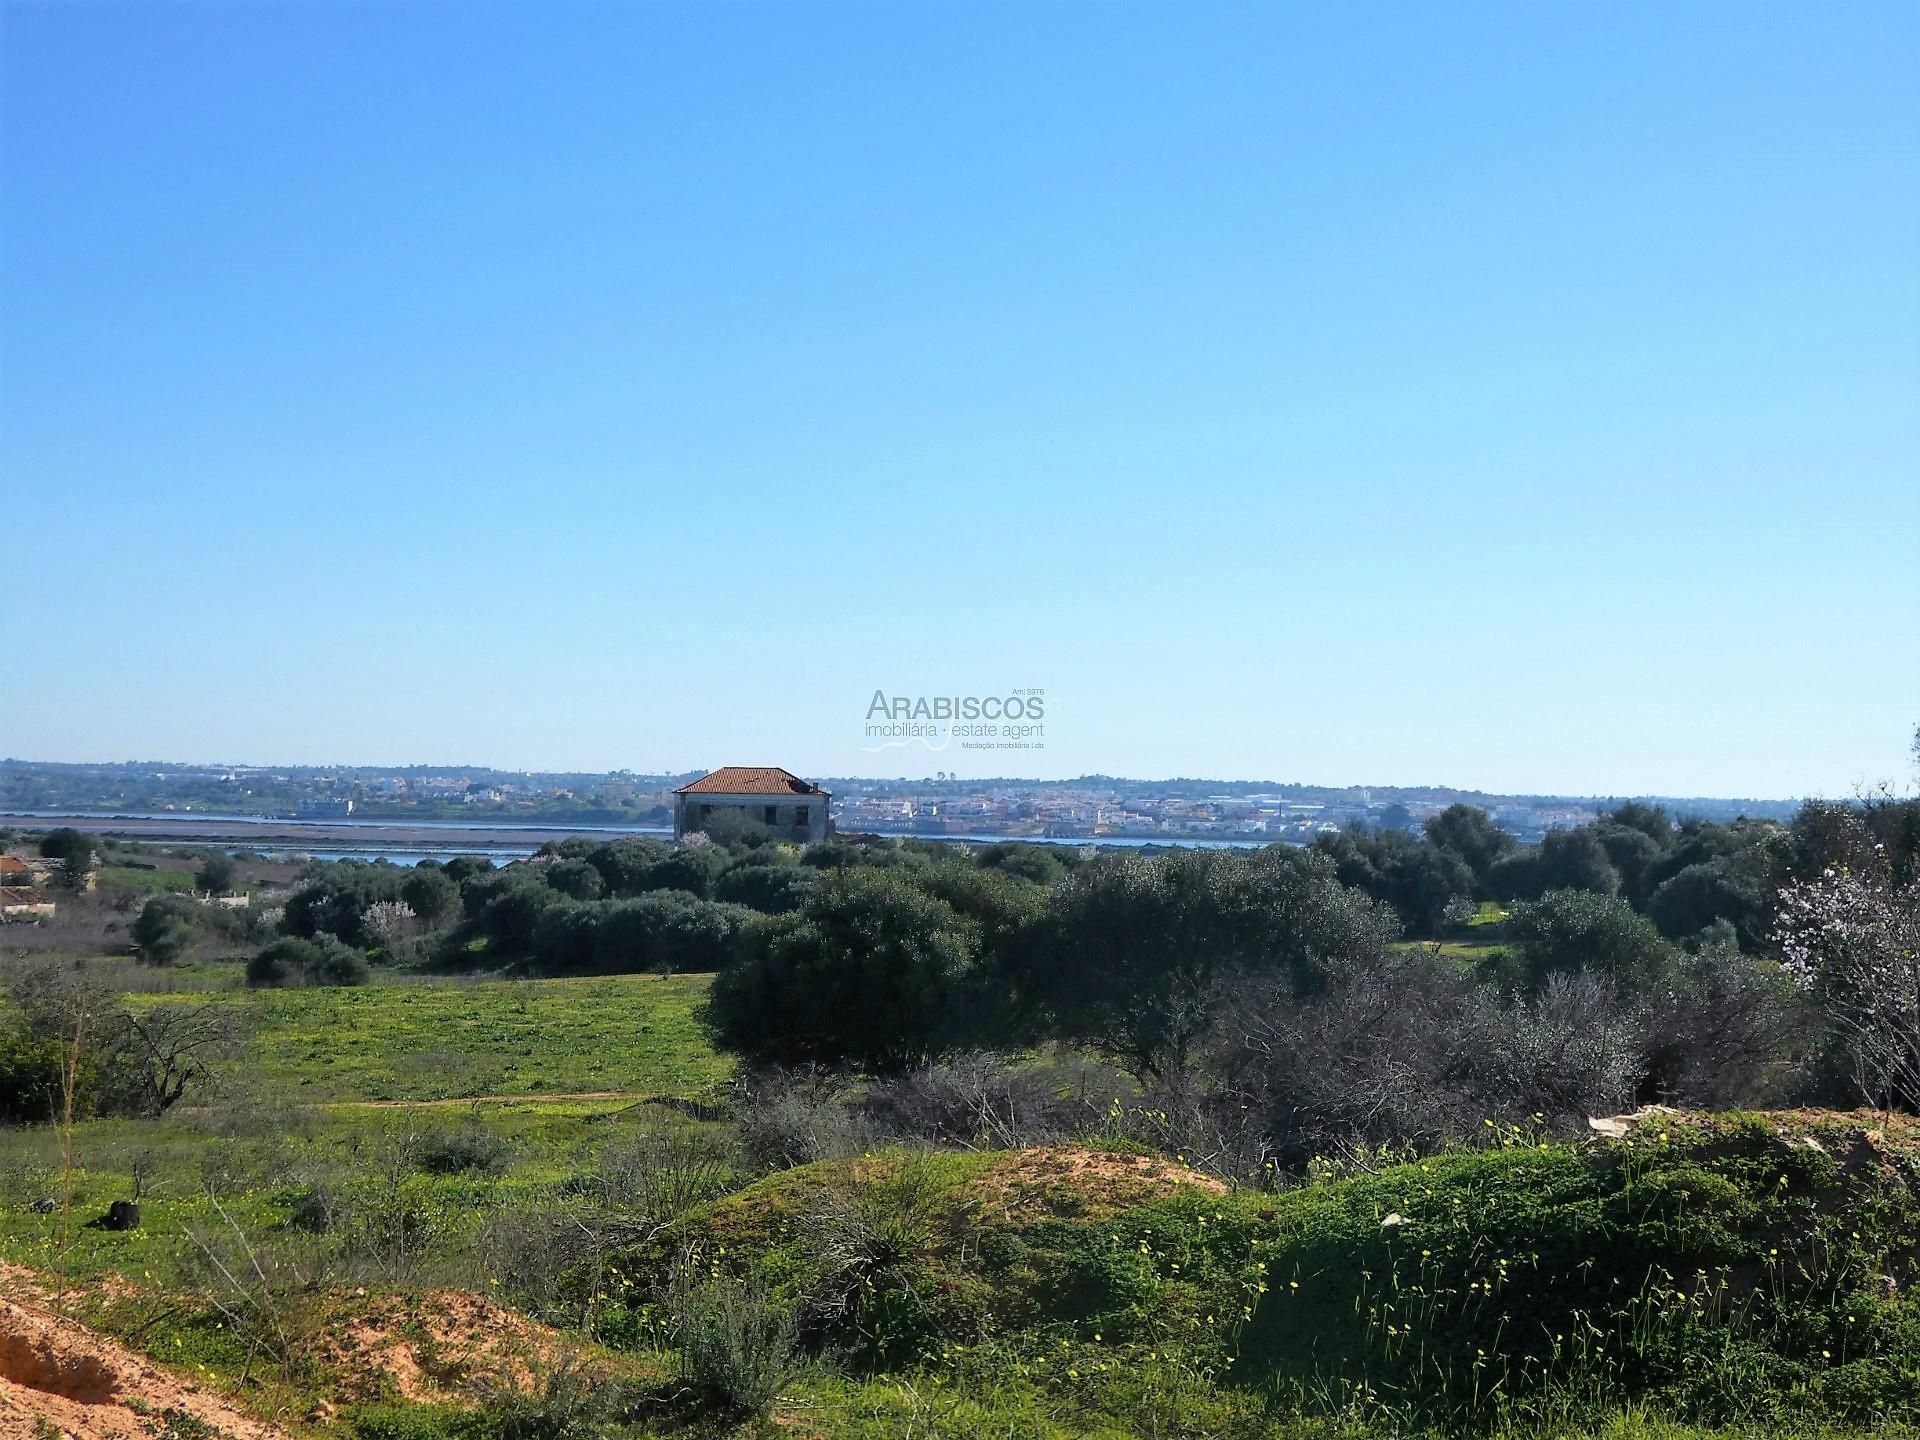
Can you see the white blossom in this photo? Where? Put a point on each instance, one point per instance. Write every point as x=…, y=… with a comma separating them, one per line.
x=390, y=923
x=1852, y=941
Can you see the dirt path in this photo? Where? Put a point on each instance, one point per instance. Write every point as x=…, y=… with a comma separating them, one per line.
x=628, y=1095
x=620, y=1099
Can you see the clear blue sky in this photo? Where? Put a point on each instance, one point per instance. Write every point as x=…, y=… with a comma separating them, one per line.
x=1522, y=396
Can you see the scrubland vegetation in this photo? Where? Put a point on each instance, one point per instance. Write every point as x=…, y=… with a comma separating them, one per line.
x=898, y=1138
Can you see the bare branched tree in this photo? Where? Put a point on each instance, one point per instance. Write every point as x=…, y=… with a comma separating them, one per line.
x=157, y=1053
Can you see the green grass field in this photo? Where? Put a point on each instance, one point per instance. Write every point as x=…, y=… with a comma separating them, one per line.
x=456, y=1039
x=333, y=1075
x=140, y=881
x=1480, y=938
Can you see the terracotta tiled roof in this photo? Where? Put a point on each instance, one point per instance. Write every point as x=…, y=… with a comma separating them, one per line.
x=750, y=780
x=13, y=865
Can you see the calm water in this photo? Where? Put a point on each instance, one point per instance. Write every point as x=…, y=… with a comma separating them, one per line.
x=392, y=857
x=504, y=854
x=353, y=820
x=510, y=852
x=1103, y=841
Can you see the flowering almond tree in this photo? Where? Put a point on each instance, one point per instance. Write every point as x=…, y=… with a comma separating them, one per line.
x=391, y=924
x=1851, y=938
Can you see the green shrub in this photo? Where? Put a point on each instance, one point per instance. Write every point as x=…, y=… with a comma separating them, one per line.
x=1723, y=1280
x=872, y=1248
x=769, y=887
x=1709, y=1273
x=32, y=1087
x=383, y=1421
x=337, y=898
x=569, y=1403
x=1572, y=931
x=575, y=879
x=471, y=1149
x=164, y=929
x=873, y=972
x=429, y=893
x=323, y=960
x=736, y=1345
x=218, y=873
x=660, y=1172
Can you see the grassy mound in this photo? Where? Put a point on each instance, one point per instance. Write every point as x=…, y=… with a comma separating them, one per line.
x=1723, y=1270
x=1732, y=1270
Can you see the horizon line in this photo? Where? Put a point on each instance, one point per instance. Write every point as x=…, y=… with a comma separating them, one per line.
x=15, y=761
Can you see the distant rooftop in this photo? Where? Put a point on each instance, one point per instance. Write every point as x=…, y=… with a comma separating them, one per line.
x=750, y=780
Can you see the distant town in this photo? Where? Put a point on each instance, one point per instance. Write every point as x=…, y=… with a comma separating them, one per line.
x=1090, y=807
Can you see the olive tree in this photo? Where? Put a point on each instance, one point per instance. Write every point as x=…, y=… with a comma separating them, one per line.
x=1470, y=833
x=218, y=873
x=72, y=850
x=1134, y=952
x=873, y=972
x=164, y=929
